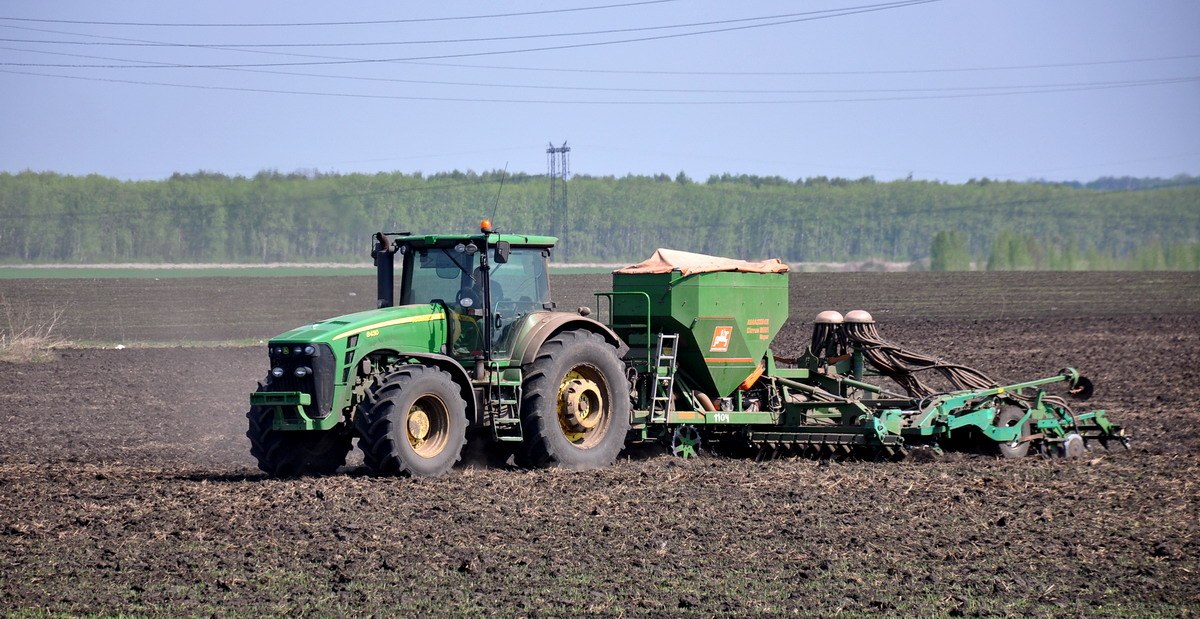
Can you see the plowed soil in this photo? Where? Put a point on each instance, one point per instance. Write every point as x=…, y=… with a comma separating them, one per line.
x=126, y=484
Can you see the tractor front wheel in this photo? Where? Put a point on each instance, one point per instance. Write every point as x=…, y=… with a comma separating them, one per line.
x=413, y=423
x=293, y=453
x=575, y=405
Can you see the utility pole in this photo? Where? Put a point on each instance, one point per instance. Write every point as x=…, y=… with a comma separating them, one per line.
x=558, y=160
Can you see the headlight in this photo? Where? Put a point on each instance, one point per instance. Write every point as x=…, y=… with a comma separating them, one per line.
x=277, y=372
x=310, y=350
x=301, y=372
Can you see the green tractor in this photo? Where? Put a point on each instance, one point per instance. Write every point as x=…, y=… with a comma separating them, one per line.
x=679, y=352
x=474, y=341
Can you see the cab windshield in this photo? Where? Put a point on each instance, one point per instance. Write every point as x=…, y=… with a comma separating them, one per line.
x=438, y=274
x=519, y=287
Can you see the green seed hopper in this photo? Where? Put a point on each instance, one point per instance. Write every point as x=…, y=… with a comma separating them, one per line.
x=699, y=330
x=726, y=313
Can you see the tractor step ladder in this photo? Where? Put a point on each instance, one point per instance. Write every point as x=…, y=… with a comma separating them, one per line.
x=663, y=374
x=508, y=397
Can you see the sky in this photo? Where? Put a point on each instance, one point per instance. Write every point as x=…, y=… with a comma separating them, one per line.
x=945, y=90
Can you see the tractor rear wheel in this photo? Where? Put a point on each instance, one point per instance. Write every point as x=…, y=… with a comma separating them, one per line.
x=575, y=405
x=1009, y=416
x=414, y=422
x=293, y=453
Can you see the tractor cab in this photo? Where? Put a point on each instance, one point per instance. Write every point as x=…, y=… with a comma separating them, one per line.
x=487, y=284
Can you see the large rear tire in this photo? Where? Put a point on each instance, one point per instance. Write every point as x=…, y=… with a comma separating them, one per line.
x=575, y=405
x=414, y=423
x=294, y=453
x=1010, y=415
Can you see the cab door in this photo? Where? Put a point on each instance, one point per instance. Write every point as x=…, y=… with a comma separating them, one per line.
x=519, y=288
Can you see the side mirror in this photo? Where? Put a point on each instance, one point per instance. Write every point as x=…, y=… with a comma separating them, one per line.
x=503, y=248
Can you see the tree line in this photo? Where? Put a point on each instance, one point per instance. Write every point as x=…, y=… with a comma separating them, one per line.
x=310, y=216
x=949, y=251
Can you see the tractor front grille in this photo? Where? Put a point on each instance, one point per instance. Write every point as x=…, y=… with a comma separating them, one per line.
x=318, y=383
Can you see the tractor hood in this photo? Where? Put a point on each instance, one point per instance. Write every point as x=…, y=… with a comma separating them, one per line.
x=367, y=324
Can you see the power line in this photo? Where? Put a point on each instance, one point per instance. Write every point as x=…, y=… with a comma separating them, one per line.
x=254, y=47
x=1059, y=65
x=518, y=37
x=691, y=73
x=595, y=71
x=1073, y=86
x=111, y=38
x=334, y=23
x=841, y=72
x=357, y=61
x=1051, y=89
x=743, y=91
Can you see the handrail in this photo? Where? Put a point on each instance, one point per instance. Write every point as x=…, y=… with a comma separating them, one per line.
x=611, y=313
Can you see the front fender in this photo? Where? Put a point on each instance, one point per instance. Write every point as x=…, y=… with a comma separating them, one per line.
x=457, y=373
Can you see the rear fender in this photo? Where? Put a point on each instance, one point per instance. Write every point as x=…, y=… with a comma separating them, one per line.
x=547, y=325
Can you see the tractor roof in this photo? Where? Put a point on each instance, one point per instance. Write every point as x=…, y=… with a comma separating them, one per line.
x=516, y=240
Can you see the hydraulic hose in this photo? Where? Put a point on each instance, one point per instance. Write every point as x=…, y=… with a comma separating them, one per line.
x=903, y=366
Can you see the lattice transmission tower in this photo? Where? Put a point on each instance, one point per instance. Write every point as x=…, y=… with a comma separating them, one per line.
x=558, y=161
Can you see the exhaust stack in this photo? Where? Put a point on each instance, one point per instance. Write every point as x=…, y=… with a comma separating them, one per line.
x=384, y=253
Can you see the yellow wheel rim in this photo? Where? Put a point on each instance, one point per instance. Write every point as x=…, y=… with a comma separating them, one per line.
x=428, y=426
x=582, y=411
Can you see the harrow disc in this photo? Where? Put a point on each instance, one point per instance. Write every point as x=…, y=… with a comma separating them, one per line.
x=1073, y=447
x=1010, y=415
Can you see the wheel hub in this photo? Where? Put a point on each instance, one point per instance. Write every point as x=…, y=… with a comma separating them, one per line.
x=418, y=424
x=582, y=404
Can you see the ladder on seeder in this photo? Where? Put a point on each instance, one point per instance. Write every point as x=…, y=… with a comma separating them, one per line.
x=665, y=354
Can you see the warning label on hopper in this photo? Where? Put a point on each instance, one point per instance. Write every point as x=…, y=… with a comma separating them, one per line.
x=720, y=341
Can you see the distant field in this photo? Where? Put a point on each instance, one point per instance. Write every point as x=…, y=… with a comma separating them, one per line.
x=159, y=272
x=239, y=308
x=146, y=271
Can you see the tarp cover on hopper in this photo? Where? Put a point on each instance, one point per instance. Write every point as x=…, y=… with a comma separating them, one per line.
x=688, y=263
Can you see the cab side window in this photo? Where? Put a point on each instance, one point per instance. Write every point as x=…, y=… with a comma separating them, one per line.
x=519, y=287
